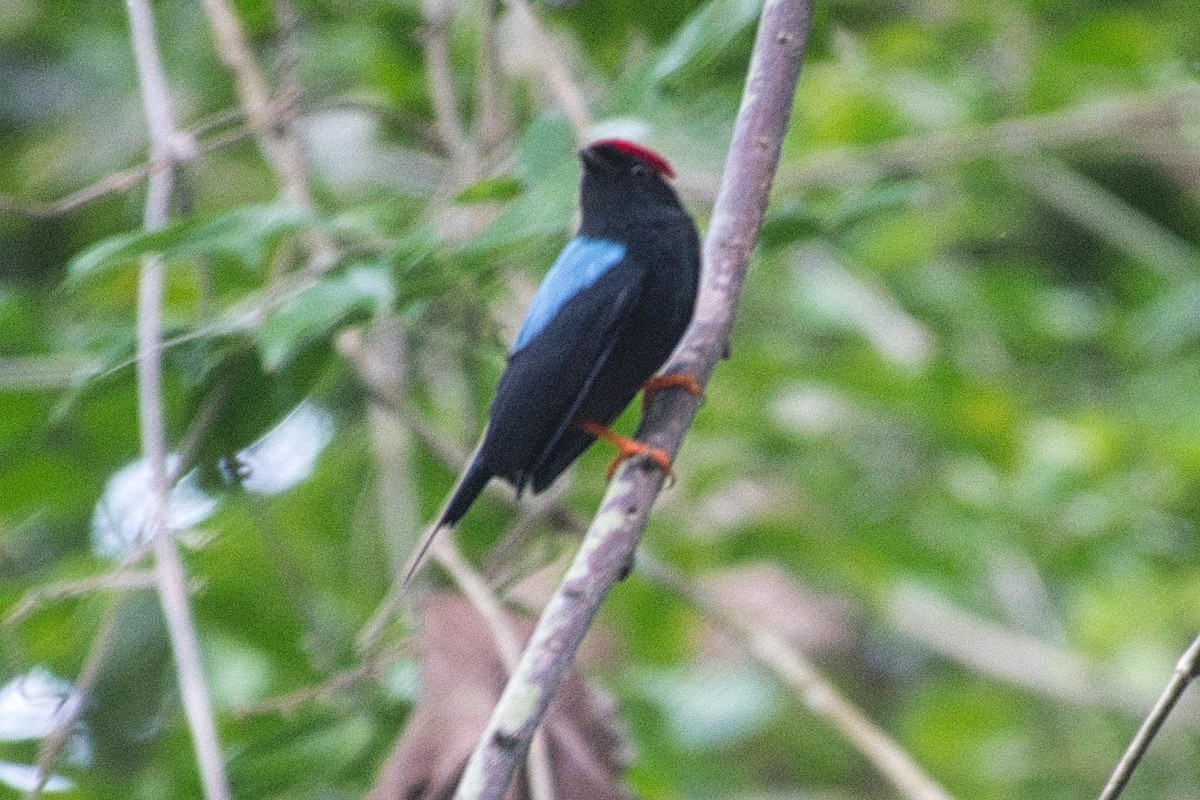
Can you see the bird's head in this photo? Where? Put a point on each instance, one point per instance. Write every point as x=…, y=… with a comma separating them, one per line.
x=625, y=183
x=622, y=155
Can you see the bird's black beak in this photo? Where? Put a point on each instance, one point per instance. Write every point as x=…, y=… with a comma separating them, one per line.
x=588, y=156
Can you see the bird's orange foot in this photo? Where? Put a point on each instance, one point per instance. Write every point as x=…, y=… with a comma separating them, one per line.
x=628, y=448
x=661, y=383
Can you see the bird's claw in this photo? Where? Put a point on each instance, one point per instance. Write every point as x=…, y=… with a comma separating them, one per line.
x=661, y=383
x=628, y=448
x=656, y=455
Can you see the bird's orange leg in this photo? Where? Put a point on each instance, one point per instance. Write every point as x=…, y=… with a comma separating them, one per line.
x=661, y=383
x=627, y=448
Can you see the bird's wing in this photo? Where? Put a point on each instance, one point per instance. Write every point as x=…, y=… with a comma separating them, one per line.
x=580, y=265
x=617, y=309
x=551, y=369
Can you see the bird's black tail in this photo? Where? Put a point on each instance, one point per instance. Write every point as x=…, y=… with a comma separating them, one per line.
x=468, y=488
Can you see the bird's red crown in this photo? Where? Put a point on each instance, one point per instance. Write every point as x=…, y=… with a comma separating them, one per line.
x=644, y=154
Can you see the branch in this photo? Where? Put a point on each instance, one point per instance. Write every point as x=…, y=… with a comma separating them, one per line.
x=1005, y=654
x=169, y=572
x=119, y=580
x=786, y=663
x=280, y=148
x=126, y=179
x=368, y=670
x=493, y=122
x=479, y=594
x=51, y=746
x=608, y=547
x=1129, y=118
x=1185, y=672
x=1107, y=216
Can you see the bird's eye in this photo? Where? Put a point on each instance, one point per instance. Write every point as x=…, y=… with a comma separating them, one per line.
x=640, y=170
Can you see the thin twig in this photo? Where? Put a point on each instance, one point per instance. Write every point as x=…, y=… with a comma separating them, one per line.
x=169, y=571
x=818, y=694
x=280, y=150
x=287, y=25
x=51, y=746
x=271, y=121
x=118, y=580
x=1185, y=672
x=1125, y=118
x=385, y=349
x=492, y=121
x=608, y=548
x=127, y=179
x=368, y=669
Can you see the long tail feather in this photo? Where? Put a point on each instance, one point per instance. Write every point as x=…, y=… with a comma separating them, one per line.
x=465, y=491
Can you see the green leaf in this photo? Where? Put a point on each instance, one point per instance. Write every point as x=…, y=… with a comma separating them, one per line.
x=879, y=199
x=499, y=189
x=310, y=314
x=247, y=233
x=706, y=34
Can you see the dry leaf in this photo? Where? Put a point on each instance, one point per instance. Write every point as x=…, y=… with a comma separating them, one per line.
x=462, y=677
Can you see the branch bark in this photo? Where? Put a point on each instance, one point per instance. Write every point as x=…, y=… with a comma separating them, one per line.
x=607, y=551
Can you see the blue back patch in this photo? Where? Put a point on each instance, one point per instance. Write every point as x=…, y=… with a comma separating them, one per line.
x=578, y=266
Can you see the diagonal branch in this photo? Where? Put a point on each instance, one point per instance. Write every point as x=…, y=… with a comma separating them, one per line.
x=788, y=664
x=1185, y=672
x=168, y=569
x=279, y=145
x=51, y=746
x=435, y=40
x=1107, y=216
x=607, y=551
x=479, y=594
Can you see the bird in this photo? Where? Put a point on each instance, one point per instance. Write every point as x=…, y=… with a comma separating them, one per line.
x=604, y=320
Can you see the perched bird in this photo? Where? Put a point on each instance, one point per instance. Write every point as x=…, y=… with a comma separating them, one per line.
x=604, y=320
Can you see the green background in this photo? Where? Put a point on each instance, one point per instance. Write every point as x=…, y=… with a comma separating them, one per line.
x=960, y=421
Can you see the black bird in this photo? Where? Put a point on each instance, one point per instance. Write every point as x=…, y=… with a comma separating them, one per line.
x=604, y=320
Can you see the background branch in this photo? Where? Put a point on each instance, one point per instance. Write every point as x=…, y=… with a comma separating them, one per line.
x=52, y=746
x=479, y=594
x=168, y=568
x=607, y=550
x=270, y=120
x=817, y=693
x=554, y=70
x=442, y=94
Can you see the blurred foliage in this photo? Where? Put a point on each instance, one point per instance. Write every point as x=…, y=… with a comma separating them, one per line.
x=963, y=382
